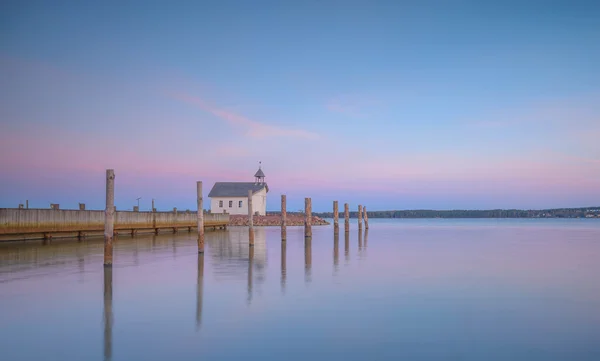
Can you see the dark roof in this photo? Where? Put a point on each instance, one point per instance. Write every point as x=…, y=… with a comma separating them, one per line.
x=259, y=173
x=235, y=189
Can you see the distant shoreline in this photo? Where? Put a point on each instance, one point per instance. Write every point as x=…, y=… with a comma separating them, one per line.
x=583, y=212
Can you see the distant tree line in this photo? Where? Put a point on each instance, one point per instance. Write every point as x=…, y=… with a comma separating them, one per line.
x=492, y=213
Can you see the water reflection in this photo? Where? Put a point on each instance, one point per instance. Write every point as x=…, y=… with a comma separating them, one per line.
x=336, y=251
x=229, y=252
x=347, y=246
x=307, y=260
x=283, y=266
x=360, y=239
x=108, y=313
x=199, y=290
x=250, y=267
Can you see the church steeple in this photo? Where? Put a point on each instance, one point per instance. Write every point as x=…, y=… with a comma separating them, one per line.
x=259, y=177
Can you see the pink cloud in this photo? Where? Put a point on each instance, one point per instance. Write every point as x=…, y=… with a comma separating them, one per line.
x=254, y=128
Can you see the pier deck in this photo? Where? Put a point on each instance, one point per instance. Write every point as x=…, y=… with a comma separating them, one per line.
x=25, y=224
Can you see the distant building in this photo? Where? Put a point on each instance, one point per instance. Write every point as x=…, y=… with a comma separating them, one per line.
x=232, y=197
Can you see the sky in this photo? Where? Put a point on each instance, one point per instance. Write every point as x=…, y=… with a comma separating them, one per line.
x=390, y=104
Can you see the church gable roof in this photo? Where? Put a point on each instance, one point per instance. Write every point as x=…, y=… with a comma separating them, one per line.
x=235, y=189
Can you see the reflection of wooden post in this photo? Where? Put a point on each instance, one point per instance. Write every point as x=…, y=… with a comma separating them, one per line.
x=109, y=217
x=347, y=245
x=199, y=290
x=360, y=238
x=250, y=269
x=307, y=259
x=336, y=216
x=336, y=249
x=108, y=314
x=307, y=218
x=283, y=266
x=366, y=217
x=250, y=220
x=200, y=217
x=359, y=216
x=346, y=218
x=283, y=218
x=366, y=236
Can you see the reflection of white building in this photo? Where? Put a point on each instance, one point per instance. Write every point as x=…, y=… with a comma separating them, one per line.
x=229, y=252
x=232, y=197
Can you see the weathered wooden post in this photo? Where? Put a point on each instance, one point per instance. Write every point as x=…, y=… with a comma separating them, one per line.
x=346, y=218
x=109, y=217
x=307, y=218
x=200, y=216
x=250, y=220
x=199, y=290
x=108, y=313
x=27, y=203
x=153, y=209
x=359, y=216
x=366, y=217
x=283, y=218
x=336, y=216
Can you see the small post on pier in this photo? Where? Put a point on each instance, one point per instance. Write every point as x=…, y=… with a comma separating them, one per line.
x=109, y=217
x=307, y=218
x=359, y=216
x=153, y=209
x=27, y=203
x=346, y=218
x=283, y=218
x=250, y=220
x=200, y=216
x=366, y=218
x=336, y=216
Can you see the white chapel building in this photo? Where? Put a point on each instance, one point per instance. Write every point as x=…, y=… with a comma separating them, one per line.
x=232, y=197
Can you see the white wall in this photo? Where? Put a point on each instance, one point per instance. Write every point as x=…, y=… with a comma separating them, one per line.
x=259, y=203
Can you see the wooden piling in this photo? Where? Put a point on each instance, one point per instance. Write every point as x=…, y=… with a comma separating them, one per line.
x=307, y=218
x=283, y=218
x=250, y=220
x=336, y=216
x=200, y=216
x=359, y=216
x=109, y=217
x=346, y=218
x=366, y=218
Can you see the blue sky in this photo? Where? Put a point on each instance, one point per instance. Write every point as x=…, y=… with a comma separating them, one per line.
x=393, y=104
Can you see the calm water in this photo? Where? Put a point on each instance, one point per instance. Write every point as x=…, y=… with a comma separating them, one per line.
x=411, y=289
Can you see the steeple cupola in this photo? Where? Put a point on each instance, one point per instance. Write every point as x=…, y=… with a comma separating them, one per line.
x=259, y=177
